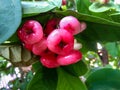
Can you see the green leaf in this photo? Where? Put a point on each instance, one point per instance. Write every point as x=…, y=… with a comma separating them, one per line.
x=97, y=32
x=83, y=39
x=98, y=8
x=33, y=8
x=87, y=17
x=112, y=48
x=56, y=3
x=67, y=81
x=104, y=79
x=36, y=66
x=45, y=79
x=10, y=18
x=77, y=69
x=116, y=17
x=82, y=6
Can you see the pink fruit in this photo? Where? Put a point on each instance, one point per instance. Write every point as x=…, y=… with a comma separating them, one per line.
x=49, y=60
x=71, y=24
x=64, y=2
x=70, y=58
x=60, y=41
x=31, y=32
x=40, y=47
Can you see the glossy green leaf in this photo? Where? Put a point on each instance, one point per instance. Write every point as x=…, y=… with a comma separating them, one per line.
x=97, y=33
x=36, y=66
x=112, y=48
x=87, y=17
x=77, y=69
x=45, y=79
x=82, y=6
x=56, y=3
x=116, y=17
x=67, y=81
x=101, y=33
x=98, y=8
x=39, y=6
x=10, y=18
x=104, y=79
x=83, y=39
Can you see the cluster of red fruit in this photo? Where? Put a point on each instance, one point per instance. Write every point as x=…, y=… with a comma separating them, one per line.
x=54, y=44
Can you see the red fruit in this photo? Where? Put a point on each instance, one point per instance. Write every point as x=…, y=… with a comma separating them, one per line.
x=31, y=32
x=71, y=24
x=70, y=58
x=28, y=46
x=64, y=2
x=49, y=60
x=20, y=34
x=51, y=25
x=60, y=41
x=40, y=47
